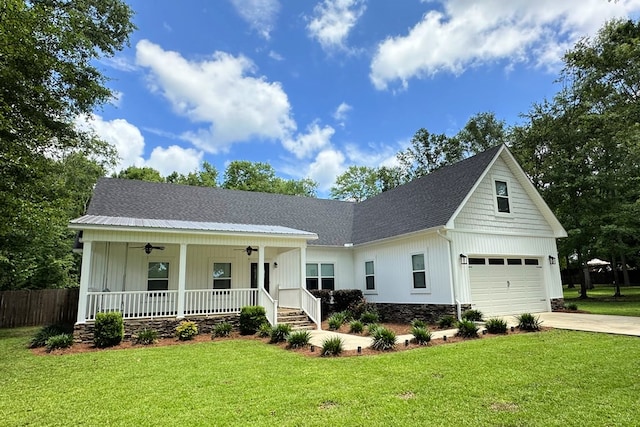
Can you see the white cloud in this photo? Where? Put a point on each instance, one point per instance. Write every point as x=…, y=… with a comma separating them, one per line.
x=327, y=165
x=218, y=92
x=333, y=20
x=341, y=113
x=119, y=63
x=375, y=155
x=468, y=34
x=174, y=158
x=315, y=138
x=275, y=56
x=261, y=15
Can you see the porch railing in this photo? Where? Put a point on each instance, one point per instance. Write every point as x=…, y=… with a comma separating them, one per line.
x=270, y=306
x=133, y=304
x=218, y=301
x=302, y=299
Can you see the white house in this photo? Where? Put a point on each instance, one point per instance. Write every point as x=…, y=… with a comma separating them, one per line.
x=472, y=235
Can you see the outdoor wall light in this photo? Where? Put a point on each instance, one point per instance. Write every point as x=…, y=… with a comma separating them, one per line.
x=552, y=260
x=275, y=265
x=464, y=260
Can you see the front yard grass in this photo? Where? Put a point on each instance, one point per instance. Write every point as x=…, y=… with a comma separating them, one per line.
x=548, y=378
x=602, y=301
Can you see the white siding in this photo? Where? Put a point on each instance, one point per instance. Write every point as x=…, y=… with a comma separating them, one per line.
x=341, y=258
x=394, y=274
x=479, y=212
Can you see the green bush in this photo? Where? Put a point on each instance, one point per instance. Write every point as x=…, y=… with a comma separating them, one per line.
x=369, y=317
x=46, y=332
x=108, y=329
x=59, y=341
x=362, y=306
x=336, y=320
x=186, y=330
x=496, y=326
x=332, y=346
x=421, y=335
x=384, y=339
x=446, y=322
x=473, y=315
x=417, y=323
x=222, y=330
x=372, y=328
x=467, y=329
x=147, y=336
x=571, y=306
x=299, y=339
x=280, y=333
x=528, y=322
x=356, y=327
x=264, y=331
x=325, y=300
x=251, y=317
x=344, y=299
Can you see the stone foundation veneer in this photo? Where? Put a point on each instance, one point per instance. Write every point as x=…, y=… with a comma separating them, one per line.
x=166, y=327
x=404, y=313
x=557, y=304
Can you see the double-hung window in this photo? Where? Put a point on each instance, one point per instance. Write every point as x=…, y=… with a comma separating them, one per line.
x=502, y=196
x=221, y=275
x=419, y=271
x=158, y=276
x=322, y=274
x=369, y=276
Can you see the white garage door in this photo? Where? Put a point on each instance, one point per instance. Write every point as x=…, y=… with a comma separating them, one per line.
x=501, y=286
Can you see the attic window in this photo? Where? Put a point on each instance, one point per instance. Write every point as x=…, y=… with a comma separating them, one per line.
x=502, y=197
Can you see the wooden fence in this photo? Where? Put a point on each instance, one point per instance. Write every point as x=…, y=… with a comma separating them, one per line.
x=38, y=307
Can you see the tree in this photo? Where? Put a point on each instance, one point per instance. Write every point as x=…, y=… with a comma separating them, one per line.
x=357, y=183
x=206, y=177
x=144, y=173
x=48, y=77
x=258, y=176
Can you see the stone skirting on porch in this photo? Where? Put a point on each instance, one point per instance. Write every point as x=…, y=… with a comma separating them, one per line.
x=557, y=304
x=166, y=327
x=403, y=313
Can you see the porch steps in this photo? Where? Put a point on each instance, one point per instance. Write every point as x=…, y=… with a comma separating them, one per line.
x=298, y=320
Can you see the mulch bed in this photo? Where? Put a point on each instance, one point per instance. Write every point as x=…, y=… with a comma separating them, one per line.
x=399, y=329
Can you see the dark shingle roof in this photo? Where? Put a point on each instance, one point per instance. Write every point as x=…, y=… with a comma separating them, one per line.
x=424, y=203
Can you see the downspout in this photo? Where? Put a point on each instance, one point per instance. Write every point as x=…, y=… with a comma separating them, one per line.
x=451, y=267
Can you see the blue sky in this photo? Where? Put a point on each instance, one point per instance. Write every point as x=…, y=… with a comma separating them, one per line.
x=312, y=87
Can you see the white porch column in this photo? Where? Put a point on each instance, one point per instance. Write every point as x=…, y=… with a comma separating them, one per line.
x=85, y=276
x=260, y=267
x=303, y=271
x=182, y=279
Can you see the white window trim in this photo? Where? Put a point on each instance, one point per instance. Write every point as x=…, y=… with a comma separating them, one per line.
x=172, y=266
x=495, y=178
x=373, y=291
x=219, y=261
x=427, y=282
x=320, y=276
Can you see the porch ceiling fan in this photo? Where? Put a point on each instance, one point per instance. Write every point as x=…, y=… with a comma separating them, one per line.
x=249, y=250
x=148, y=248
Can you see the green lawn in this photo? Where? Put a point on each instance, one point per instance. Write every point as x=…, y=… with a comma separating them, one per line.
x=550, y=378
x=601, y=300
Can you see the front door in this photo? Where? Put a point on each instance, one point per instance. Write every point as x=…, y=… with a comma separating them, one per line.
x=254, y=275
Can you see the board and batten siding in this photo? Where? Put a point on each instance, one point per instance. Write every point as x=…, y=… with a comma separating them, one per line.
x=479, y=212
x=394, y=273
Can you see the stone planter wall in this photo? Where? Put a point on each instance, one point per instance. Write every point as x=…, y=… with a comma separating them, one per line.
x=166, y=327
x=405, y=313
x=557, y=304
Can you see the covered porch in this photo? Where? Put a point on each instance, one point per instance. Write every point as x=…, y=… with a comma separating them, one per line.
x=149, y=269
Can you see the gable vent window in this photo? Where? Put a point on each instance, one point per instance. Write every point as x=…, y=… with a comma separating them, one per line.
x=502, y=194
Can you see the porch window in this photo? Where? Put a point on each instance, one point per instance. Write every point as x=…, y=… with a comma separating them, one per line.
x=419, y=271
x=320, y=274
x=158, y=276
x=221, y=275
x=502, y=197
x=369, y=277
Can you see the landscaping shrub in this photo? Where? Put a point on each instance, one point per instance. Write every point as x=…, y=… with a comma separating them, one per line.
x=384, y=339
x=369, y=317
x=445, y=322
x=280, y=333
x=325, y=300
x=222, y=330
x=332, y=346
x=496, y=326
x=251, y=317
x=147, y=336
x=186, y=330
x=473, y=315
x=572, y=306
x=343, y=299
x=528, y=322
x=59, y=341
x=362, y=306
x=299, y=339
x=264, y=331
x=108, y=329
x=467, y=329
x=356, y=327
x=421, y=335
x=336, y=320
x=46, y=332
x=372, y=328
x=417, y=323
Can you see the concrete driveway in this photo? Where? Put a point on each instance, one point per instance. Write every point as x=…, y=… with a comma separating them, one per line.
x=620, y=325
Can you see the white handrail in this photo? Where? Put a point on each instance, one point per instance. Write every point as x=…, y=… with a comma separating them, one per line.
x=311, y=305
x=270, y=306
